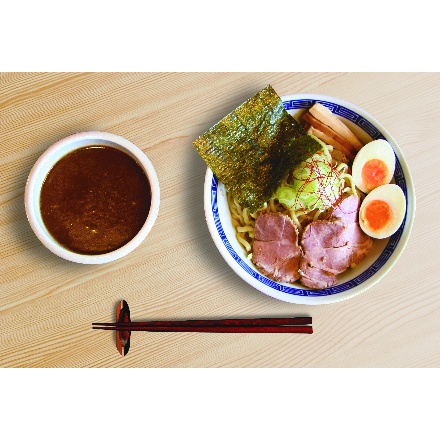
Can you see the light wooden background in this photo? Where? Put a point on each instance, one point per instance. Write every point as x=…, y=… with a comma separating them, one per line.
x=47, y=304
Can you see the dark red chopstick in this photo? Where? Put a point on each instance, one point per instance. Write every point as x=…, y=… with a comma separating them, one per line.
x=246, y=322
x=215, y=329
x=261, y=325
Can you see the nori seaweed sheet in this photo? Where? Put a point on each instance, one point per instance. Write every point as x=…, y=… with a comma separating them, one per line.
x=252, y=149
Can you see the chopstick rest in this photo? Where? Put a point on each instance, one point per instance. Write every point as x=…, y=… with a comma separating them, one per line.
x=124, y=326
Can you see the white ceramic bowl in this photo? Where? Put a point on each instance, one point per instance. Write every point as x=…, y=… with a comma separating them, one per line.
x=379, y=260
x=48, y=159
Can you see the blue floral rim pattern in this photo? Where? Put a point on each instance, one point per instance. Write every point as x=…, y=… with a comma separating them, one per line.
x=399, y=177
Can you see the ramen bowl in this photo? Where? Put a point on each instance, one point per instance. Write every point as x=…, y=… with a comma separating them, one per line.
x=100, y=141
x=380, y=259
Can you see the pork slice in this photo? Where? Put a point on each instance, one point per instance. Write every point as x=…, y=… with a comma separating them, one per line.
x=360, y=243
x=275, y=249
x=313, y=277
x=273, y=226
x=347, y=209
x=331, y=246
x=355, y=235
x=325, y=246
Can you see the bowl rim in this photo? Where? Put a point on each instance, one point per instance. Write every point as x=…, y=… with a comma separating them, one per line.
x=333, y=297
x=58, y=150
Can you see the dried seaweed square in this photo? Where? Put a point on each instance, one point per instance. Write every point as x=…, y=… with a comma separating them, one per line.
x=252, y=149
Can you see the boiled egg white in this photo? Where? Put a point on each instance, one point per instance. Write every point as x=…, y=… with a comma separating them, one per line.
x=382, y=211
x=373, y=165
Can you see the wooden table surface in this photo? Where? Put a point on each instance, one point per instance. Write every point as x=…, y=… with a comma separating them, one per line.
x=47, y=304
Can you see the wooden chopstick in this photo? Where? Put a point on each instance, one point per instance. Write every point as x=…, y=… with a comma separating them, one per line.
x=247, y=322
x=215, y=329
x=261, y=325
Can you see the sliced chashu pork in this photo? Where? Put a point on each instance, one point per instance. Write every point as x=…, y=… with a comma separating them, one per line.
x=348, y=211
x=331, y=246
x=275, y=250
x=315, y=278
x=325, y=245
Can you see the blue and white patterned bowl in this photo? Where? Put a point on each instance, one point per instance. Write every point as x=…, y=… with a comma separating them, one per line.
x=381, y=257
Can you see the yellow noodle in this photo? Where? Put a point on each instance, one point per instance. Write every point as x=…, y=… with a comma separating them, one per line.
x=293, y=215
x=327, y=149
x=248, y=228
x=235, y=222
x=247, y=218
x=244, y=242
x=351, y=185
x=232, y=206
x=272, y=207
x=342, y=167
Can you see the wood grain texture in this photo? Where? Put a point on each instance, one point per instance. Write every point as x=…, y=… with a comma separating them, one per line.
x=47, y=304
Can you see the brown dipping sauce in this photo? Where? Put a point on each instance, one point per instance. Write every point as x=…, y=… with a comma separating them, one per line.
x=95, y=199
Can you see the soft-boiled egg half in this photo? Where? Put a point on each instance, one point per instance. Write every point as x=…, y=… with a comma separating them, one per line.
x=382, y=211
x=373, y=165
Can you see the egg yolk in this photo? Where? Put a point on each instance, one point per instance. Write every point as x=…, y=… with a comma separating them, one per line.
x=375, y=173
x=377, y=215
